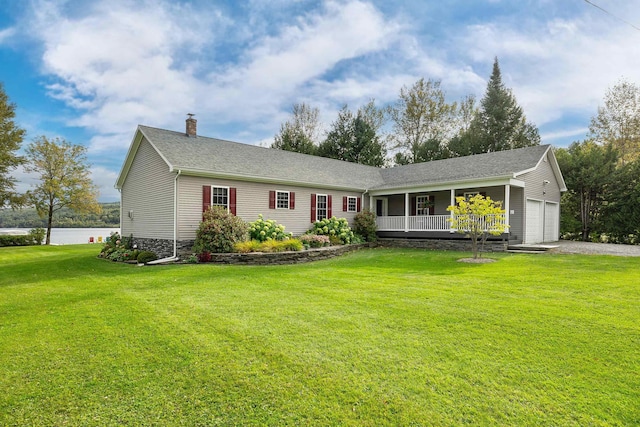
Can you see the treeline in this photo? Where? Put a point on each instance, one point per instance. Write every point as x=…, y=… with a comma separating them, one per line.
x=64, y=218
x=420, y=126
x=602, y=173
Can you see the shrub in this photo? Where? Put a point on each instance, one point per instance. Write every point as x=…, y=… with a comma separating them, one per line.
x=248, y=246
x=269, y=246
x=117, y=248
x=37, y=235
x=146, y=256
x=219, y=231
x=204, y=257
x=263, y=230
x=333, y=226
x=19, y=240
x=314, y=240
x=364, y=224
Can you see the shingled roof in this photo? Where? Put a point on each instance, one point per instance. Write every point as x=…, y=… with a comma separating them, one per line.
x=219, y=158
x=210, y=156
x=499, y=164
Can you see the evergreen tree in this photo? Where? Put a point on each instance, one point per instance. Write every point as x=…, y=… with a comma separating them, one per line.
x=11, y=136
x=500, y=124
x=354, y=139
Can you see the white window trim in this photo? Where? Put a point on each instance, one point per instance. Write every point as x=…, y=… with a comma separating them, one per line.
x=228, y=195
x=326, y=206
x=288, y=199
x=426, y=208
x=355, y=204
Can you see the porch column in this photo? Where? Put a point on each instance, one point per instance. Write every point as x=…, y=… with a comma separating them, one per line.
x=372, y=208
x=507, y=197
x=453, y=202
x=406, y=212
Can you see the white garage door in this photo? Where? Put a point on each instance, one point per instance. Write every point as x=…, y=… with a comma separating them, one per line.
x=551, y=218
x=534, y=218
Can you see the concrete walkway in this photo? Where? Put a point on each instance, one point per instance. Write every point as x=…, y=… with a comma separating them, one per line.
x=571, y=247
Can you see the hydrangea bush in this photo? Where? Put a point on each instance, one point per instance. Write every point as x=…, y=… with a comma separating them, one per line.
x=117, y=248
x=338, y=228
x=263, y=230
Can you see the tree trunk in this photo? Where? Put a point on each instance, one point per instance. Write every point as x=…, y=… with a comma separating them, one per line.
x=49, y=222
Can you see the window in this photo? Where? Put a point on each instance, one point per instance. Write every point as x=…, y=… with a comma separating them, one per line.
x=220, y=196
x=352, y=204
x=282, y=200
x=470, y=194
x=423, y=204
x=321, y=207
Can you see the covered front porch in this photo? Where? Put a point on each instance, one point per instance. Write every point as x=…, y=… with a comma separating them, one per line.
x=422, y=212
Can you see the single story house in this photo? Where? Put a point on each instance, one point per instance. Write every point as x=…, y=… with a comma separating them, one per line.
x=168, y=178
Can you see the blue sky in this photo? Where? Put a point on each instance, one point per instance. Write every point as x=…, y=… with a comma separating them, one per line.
x=90, y=71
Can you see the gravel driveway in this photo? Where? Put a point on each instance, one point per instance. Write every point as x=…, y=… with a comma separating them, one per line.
x=571, y=247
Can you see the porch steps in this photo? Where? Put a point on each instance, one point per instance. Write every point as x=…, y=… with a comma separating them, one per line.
x=530, y=249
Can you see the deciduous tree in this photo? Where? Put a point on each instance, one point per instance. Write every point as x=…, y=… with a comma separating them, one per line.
x=301, y=132
x=618, y=121
x=421, y=114
x=64, y=179
x=589, y=171
x=477, y=218
x=11, y=136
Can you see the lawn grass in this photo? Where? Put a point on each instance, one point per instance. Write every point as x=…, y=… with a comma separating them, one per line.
x=376, y=337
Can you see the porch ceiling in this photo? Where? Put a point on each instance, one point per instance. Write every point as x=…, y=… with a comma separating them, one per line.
x=447, y=186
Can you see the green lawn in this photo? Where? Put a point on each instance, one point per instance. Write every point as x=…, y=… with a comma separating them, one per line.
x=377, y=337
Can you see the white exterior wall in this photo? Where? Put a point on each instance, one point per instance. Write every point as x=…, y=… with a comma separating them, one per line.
x=252, y=199
x=147, y=192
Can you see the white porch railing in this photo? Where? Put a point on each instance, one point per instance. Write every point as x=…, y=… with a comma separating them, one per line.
x=429, y=222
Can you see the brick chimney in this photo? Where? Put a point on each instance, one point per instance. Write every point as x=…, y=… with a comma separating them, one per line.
x=191, y=125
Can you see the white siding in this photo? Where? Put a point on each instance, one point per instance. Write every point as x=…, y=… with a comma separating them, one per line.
x=252, y=199
x=148, y=193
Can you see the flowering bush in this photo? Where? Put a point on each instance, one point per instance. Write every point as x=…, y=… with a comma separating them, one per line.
x=219, y=231
x=117, y=248
x=263, y=230
x=314, y=240
x=337, y=227
x=364, y=224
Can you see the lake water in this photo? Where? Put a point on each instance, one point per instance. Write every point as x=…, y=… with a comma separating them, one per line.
x=68, y=236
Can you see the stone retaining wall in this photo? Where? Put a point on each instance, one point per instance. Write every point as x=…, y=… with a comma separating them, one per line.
x=260, y=258
x=441, y=245
x=164, y=248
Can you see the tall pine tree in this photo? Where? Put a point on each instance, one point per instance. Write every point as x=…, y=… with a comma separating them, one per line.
x=500, y=124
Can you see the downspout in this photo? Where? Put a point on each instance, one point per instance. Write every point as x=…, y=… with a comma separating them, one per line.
x=174, y=257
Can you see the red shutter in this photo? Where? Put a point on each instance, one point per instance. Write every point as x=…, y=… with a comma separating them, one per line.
x=272, y=199
x=344, y=204
x=329, y=206
x=232, y=200
x=292, y=200
x=413, y=210
x=313, y=208
x=206, y=197
x=432, y=205
x=358, y=204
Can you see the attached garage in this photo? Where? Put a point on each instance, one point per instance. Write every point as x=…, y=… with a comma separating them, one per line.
x=543, y=221
x=534, y=222
x=551, y=221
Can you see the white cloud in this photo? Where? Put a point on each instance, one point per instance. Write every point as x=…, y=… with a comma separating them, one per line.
x=6, y=34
